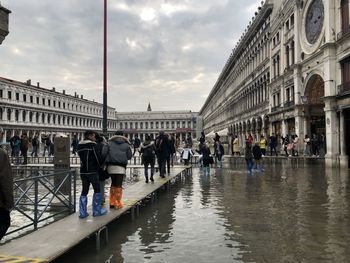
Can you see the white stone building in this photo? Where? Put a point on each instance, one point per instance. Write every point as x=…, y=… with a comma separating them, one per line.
x=151, y=122
x=288, y=74
x=25, y=108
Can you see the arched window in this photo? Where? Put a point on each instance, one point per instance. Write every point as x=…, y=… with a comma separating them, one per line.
x=345, y=16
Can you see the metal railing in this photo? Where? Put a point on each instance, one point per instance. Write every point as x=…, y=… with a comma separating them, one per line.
x=41, y=195
x=344, y=88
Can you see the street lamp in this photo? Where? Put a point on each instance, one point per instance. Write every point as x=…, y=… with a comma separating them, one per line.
x=104, y=120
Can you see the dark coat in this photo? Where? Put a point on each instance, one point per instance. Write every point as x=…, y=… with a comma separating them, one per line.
x=6, y=182
x=162, y=147
x=257, y=152
x=148, y=151
x=90, y=159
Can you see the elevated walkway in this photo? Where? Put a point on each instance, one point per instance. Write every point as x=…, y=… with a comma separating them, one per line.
x=52, y=241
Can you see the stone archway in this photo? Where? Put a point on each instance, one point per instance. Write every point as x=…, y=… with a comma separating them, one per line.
x=314, y=106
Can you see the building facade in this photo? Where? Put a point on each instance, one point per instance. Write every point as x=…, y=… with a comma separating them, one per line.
x=25, y=108
x=36, y=111
x=151, y=122
x=289, y=74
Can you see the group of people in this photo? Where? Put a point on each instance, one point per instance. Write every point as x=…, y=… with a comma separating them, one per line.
x=101, y=159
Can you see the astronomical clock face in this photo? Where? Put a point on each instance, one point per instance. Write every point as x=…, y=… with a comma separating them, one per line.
x=314, y=21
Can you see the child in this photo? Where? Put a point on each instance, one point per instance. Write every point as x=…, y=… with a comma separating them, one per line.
x=186, y=154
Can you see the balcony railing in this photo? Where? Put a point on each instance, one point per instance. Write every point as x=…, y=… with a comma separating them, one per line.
x=343, y=33
x=344, y=88
x=288, y=104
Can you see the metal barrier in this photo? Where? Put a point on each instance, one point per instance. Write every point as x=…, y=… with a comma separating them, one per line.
x=41, y=195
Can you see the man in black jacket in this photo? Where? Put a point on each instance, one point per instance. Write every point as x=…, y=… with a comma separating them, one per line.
x=90, y=160
x=6, y=190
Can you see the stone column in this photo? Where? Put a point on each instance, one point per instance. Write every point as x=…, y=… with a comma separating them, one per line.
x=343, y=156
x=4, y=136
x=332, y=131
x=4, y=114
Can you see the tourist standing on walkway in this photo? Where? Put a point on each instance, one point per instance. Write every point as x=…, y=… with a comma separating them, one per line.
x=248, y=155
x=35, y=146
x=16, y=148
x=273, y=144
x=189, y=141
x=177, y=144
x=162, y=152
x=136, y=144
x=117, y=153
x=263, y=145
x=74, y=144
x=148, y=155
x=6, y=190
x=258, y=154
x=90, y=162
x=24, y=147
x=219, y=152
x=47, y=145
x=236, y=148
x=207, y=158
x=172, y=149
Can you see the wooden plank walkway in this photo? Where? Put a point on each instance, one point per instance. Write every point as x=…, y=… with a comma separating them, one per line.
x=52, y=241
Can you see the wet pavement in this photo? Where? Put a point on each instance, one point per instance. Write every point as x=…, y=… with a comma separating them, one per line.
x=294, y=211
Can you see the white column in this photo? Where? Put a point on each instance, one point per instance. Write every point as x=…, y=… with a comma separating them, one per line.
x=343, y=156
x=4, y=136
x=332, y=132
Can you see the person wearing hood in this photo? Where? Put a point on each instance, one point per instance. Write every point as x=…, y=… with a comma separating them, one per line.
x=90, y=162
x=116, y=153
x=148, y=151
x=6, y=190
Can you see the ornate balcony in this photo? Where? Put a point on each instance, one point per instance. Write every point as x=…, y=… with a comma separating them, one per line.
x=343, y=33
x=344, y=88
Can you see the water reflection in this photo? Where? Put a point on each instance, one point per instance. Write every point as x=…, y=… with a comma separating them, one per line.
x=295, y=211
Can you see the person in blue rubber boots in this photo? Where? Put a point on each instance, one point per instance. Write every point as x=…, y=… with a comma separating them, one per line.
x=90, y=162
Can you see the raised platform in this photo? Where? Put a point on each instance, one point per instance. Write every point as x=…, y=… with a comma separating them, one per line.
x=50, y=242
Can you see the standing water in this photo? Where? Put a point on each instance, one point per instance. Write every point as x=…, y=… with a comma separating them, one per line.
x=291, y=212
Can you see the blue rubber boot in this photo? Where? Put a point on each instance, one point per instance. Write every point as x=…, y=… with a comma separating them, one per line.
x=97, y=209
x=82, y=207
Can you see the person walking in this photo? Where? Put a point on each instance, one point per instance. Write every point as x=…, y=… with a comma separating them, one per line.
x=248, y=155
x=273, y=144
x=207, y=159
x=6, y=190
x=137, y=144
x=236, y=148
x=307, y=146
x=117, y=153
x=148, y=155
x=16, y=147
x=24, y=147
x=258, y=154
x=172, y=150
x=35, y=146
x=162, y=152
x=219, y=152
x=90, y=162
x=263, y=145
x=75, y=143
x=186, y=154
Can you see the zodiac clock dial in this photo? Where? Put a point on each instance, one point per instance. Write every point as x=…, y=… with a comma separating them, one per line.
x=314, y=21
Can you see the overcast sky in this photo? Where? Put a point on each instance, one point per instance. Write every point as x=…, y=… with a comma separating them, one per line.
x=168, y=52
